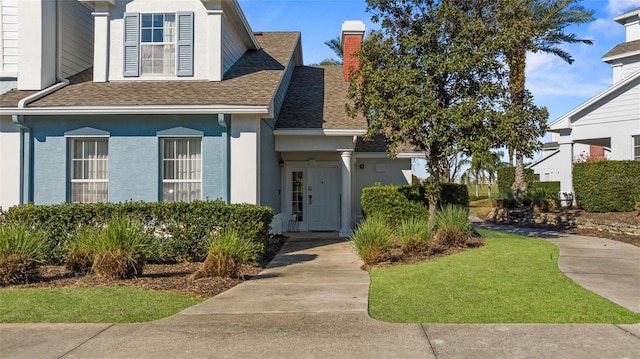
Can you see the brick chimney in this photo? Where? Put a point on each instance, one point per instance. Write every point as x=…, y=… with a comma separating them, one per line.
x=352, y=35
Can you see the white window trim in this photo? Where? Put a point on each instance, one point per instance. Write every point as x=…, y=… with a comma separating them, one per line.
x=174, y=43
x=163, y=138
x=72, y=141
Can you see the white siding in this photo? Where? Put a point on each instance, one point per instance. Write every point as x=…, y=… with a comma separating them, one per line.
x=9, y=36
x=232, y=48
x=630, y=65
x=76, y=32
x=623, y=105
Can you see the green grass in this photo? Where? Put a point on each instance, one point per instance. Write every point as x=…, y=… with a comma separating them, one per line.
x=513, y=279
x=89, y=305
x=482, y=207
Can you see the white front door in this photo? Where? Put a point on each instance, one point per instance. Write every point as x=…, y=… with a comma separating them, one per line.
x=323, y=199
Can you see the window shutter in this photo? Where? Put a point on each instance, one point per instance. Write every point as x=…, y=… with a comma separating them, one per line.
x=184, y=43
x=131, y=50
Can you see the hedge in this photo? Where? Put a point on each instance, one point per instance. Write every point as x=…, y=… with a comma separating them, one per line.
x=607, y=186
x=507, y=175
x=551, y=186
x=179, y=227
x=400, y=202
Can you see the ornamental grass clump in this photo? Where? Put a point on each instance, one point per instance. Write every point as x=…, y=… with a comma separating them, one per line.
x=372, y=239
x=22, y=251
x=414, y=235
x=118, y=250
x=452, y=227
x=227, y=251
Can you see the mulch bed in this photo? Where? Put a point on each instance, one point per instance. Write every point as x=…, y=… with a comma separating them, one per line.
x=161, y=277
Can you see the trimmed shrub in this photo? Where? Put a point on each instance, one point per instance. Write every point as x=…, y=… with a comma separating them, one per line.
x=397, y=203
x=507, y=175
x=179, y=227
x=551, y=187
x=607, y=186
x=372, y=239
x=21, y=253
x=226, y=252
x=414, y=235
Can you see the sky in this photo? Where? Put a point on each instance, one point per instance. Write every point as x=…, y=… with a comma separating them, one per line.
x=554, y=83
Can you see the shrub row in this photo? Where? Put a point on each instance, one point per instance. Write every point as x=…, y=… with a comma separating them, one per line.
x=507, y=175
x=179, y=228
x=396, y=203
x=607, y=186
x=551, y=186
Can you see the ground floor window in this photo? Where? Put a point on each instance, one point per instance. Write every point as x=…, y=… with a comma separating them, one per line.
x=181, y=169
x=636, y=147
x=89, y=170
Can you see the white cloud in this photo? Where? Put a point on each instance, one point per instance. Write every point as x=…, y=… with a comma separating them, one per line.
x=617, y=7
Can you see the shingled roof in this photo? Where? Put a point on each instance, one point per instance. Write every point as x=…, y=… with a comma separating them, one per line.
x=316, y=99
x=252, y=80
x=623, y=48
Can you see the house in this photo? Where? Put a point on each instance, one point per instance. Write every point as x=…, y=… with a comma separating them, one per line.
x=180, y=100
x=607, y=125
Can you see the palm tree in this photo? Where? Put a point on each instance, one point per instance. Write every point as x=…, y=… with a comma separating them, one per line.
x=336, y=46
x=535, y=25
x=493, y=162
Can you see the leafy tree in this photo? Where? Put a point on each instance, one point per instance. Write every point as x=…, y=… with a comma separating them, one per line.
x=532, y=25
x=430, y=78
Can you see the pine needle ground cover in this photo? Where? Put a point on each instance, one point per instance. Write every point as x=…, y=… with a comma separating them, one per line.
x=90, y=305
x=512, y=279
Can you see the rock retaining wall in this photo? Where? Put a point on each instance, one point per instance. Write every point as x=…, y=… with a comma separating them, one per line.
x=525, y=217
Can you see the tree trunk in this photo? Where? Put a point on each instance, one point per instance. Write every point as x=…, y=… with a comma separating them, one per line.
x=520, y=185
x=510, y=150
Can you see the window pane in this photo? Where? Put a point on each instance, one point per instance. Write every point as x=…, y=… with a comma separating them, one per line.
x=76, y=169
x=77, y=149
x=89, y=149
x=158, y=35
x=146, y=35
x=158, y=19
x=169, y=170
x=146, y=20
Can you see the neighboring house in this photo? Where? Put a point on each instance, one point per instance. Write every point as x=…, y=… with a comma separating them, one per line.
x=609, y=120
x=183, y=101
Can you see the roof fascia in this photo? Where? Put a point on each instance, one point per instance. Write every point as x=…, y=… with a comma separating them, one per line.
x=564, y=122
x=386, y=155
x=133, y=110
x=621, y=56
x=622, y=17
x=318, y=132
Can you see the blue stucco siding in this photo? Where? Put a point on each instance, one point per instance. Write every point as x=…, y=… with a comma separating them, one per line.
x=134, y=154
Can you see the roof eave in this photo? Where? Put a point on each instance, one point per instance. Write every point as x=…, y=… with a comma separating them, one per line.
x=564, y=122
x=622, y=17
x=620, y=56
x=141, y=110
x=318, y=132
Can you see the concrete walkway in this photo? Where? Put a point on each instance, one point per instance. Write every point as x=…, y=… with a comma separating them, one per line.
x=312, y=303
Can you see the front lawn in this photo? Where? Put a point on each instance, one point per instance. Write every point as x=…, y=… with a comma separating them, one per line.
x=90, y=305
x=513, y=279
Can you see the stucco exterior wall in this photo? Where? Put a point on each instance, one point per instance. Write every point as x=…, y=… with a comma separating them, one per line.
x=269, y=168
x=9, y=163
x=386, y=171
x=245, y=146
x=134, y=154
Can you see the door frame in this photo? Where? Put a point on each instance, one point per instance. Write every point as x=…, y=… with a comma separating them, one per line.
x=303, y=166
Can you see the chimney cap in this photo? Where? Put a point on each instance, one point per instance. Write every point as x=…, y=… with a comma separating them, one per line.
x=353, y=26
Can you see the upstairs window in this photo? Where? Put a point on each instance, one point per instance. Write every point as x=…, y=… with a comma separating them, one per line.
x=158, y=44
x=636, y=148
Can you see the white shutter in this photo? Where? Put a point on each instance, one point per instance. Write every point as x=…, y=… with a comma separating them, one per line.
x=184, y=44
x=131, y=50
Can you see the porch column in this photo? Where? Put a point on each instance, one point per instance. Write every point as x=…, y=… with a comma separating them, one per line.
x=566, y=173
x=345, y=206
